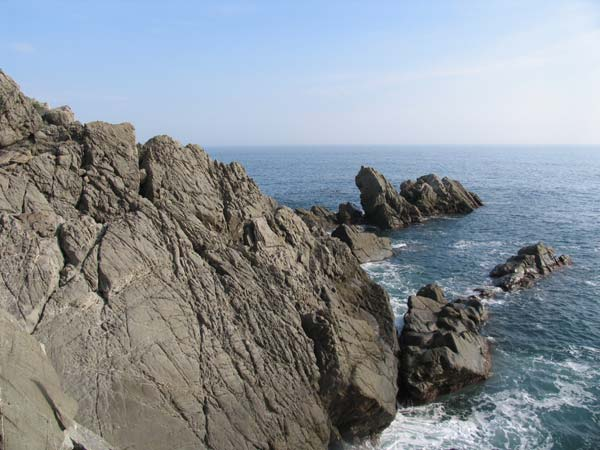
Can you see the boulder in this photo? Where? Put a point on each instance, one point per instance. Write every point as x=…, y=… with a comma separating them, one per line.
x=528, y=265
x=365, y=246
x=434, y=196
x=61, y=116
x=384, y=207
x=349, y=214
x=178, y=305
x=318, y=218
x=441, y=350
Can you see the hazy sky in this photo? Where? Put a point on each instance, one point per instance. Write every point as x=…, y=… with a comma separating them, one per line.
x=316, y=72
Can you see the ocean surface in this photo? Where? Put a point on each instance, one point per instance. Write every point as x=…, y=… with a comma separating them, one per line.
x=545, y=388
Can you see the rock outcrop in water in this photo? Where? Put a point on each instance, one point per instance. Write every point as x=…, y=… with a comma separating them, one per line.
x=529, y=264
x=384, y=206
x=436, y=196
x=429, y=196
x=441, y=350
x=179, y=306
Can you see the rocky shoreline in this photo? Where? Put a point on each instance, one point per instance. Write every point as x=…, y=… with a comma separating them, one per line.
x=153, y=298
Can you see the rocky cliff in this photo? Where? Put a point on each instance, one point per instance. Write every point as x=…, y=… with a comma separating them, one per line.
x=178, y=306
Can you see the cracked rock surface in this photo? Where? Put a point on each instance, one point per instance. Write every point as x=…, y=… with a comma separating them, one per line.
x=179, y=306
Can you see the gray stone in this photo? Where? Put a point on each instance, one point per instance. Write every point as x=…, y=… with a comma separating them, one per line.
x=349, y=214
x=365, y=246
x=531, y=263
x=441, y=350
x=384, y=207
x=179, y=306
x=429, y=196
x=19, y=118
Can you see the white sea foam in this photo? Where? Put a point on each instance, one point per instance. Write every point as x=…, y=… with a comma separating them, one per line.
x=399, y=245
x=506, y=420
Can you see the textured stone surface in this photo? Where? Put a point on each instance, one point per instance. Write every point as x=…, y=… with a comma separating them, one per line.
x=435, y=196
x=531, y=263
x=365, y=246
x=429, y=196
x=19, y=118
x=318, y=217
x=181, y=307
x=384, y=206
x=441, y=350
x=35, y=412
x=349, y=214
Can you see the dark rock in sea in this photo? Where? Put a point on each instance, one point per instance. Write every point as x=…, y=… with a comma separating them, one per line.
x=349, y=214
x=429, y=196
x=530, y=263
x=434, y=196
x=365, y=246
x=384, y=207
x=441, y=349
x=178, y=305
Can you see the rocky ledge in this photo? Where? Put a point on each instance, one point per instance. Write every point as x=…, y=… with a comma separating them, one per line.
x=429, y=196
x=441, y=350
x=528, y=265
x=177, y=305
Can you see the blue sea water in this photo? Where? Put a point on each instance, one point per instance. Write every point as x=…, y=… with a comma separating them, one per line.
x=545, y=389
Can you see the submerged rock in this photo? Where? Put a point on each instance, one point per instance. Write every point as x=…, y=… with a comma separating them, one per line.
x=429, y=196
x=530, y=263
x=441, y=350
x=365, y=246
x=179, y=306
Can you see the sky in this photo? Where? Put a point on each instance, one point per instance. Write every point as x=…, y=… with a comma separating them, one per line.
x=237, y=72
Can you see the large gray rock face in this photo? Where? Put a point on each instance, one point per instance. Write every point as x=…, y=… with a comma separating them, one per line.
x=181, y=307
x=35, y=412
x=429, y=196
x=441, y=350
x=531, y=263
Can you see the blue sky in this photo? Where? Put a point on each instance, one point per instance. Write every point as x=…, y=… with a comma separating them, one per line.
x=316, y=72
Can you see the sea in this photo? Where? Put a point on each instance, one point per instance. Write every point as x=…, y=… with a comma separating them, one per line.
x=545, y=389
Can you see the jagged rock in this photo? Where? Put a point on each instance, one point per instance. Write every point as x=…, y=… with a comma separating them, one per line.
x=435, y=196
x=349, y=214
x=530, y=263
x=441, y=349
x=318, y=218
x=365, y=246
x=19, y=118
x=384, y=207
x=179, y=306
x=429, y=196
